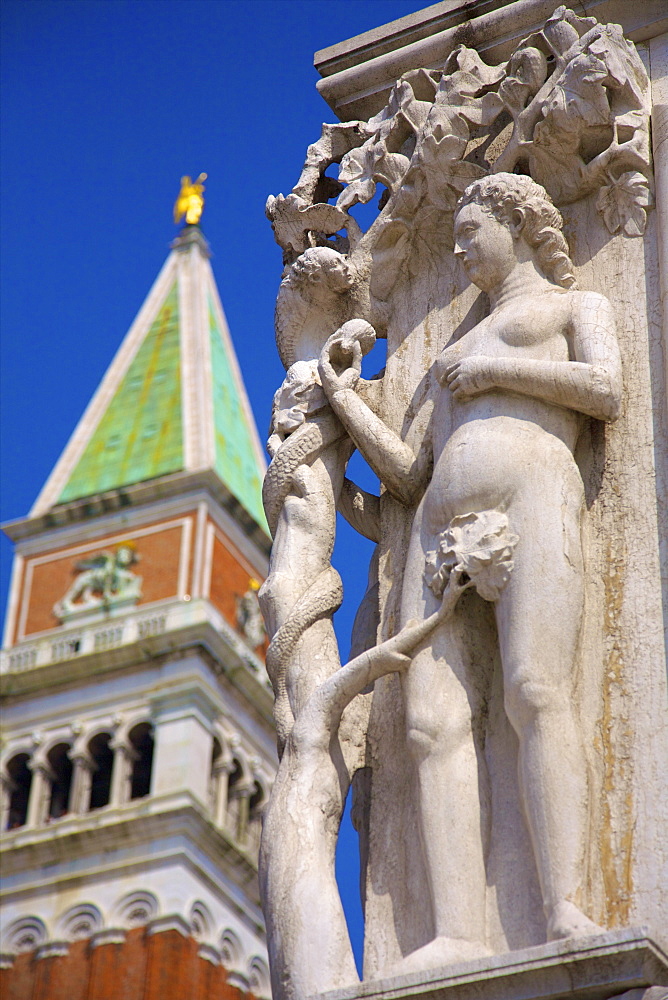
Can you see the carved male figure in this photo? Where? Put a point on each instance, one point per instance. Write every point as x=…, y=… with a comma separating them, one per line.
x=309, y=452
x=309, y=947
x=513, y=393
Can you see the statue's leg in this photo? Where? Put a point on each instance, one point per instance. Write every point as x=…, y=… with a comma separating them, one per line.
x=440, y=704
x=441, y=700
x=538, y=618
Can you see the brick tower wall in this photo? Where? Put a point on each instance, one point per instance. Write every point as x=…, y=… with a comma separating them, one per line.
x=164, y=966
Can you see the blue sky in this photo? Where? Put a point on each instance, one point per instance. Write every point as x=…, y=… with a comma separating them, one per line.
x=105, y=104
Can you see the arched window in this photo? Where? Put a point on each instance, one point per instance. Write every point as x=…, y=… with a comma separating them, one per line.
x=61, y=783
x=141, y=739
x=20, y=777
x=103, y=761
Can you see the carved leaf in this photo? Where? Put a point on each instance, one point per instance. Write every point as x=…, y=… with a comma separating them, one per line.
x=622, y=203
x=526, y=73
x=563, y=29
x=363, y=168
x=576, y=90
x=479, y=545
x=466, y=73
x=446, y=174
x=580, y=93
x=291, y=220
x=623, y=64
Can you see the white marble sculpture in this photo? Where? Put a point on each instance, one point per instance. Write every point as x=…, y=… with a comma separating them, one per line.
x=249, y=616
x=310, y=947
x=501, y=457
x=490, y=408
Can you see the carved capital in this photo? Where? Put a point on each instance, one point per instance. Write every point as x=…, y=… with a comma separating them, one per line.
x=576, y=96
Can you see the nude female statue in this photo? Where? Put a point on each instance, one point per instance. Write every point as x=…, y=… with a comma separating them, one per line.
x=513, y=393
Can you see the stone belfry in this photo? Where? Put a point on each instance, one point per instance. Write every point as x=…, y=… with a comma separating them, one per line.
x=138, y=746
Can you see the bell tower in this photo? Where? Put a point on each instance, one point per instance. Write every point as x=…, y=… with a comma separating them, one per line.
x=138, y=747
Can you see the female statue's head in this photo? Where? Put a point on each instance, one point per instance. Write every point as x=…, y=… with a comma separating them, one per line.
x=524, y=209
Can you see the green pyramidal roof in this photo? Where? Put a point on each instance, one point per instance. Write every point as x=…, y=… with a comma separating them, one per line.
x=173, y=399
x=140, y=435
x=235, y=460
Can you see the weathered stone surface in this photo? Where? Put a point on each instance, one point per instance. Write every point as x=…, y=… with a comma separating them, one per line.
x=514, y=789
x=359, y=73
x=619, y=965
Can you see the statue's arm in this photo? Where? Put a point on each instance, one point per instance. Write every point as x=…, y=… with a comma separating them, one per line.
x=360, y=509
x=325, y=707
x=596, y=349
x=401, y=471
x=591, y=383
x=393, y=461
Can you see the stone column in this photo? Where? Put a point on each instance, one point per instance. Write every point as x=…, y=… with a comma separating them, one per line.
x=81, y=781
x=40, y=789
x=242, y=792
x=255, y=827
x=121, y=775
x=183, y=742
x=6, y=790
x=222, y=770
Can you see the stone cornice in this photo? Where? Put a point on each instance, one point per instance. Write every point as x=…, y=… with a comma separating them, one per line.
x=153, y=830
x=359, y=72
x=400, y=33
x=191, y=625
x=174, y=485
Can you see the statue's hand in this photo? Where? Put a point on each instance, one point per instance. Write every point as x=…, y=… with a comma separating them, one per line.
x=340, y=364
x=274, y=443
x=469, y=376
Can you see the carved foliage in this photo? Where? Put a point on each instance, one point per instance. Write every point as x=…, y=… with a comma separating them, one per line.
x=570, y=107
x=478, y=545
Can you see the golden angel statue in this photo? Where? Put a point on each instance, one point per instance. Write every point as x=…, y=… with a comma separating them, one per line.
x=190, y=201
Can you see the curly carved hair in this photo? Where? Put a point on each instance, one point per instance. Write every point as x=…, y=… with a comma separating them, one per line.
x=317, y=260
x=501, y=193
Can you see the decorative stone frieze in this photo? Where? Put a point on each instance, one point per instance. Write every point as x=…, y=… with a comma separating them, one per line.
x=103, y=581
x=109, y=935
x=82, y=921
x=52, y=949
x=25, y=934
x=209, y=953
x=138, y=910
x=170, y=922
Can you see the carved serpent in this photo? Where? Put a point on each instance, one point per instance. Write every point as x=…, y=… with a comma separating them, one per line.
x=324, y=594
x=302, y=447
x=319, y=601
